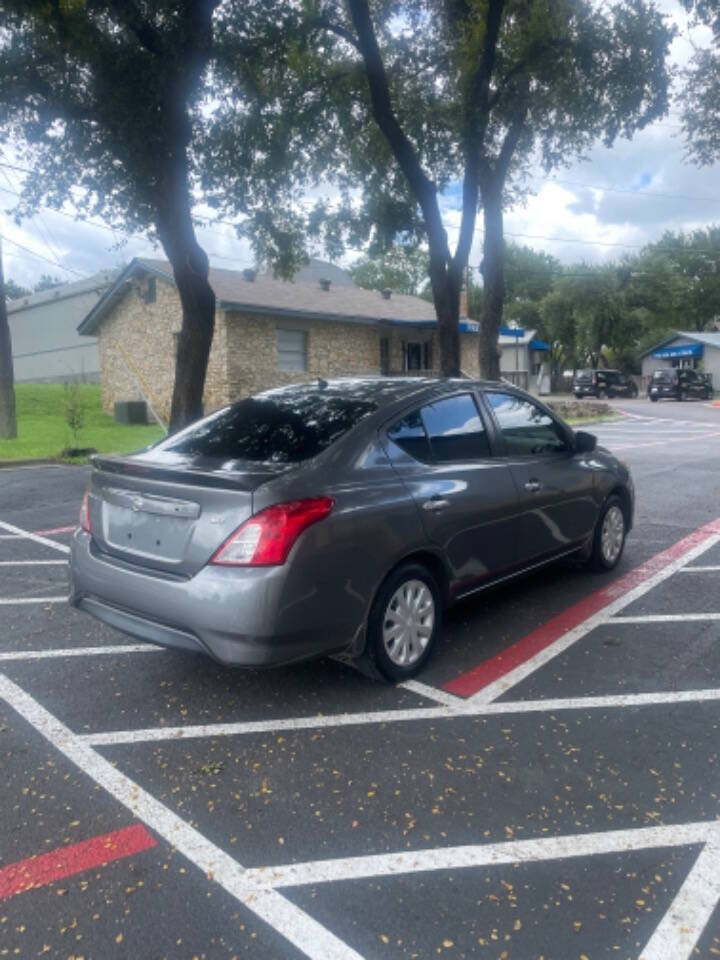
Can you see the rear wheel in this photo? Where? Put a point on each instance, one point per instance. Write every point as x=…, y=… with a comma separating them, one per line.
x=404, y=622
x=653, y=399
x=683, y=395
x=609, y=538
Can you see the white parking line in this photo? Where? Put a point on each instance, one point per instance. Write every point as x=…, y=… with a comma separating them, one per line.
x=607, y=614
x=309, y=936
x=16, y=655
x=666, y=618
x=460, y=709
x=691, y=910
x=33, y=563
x=26, y=535
x=10, y=601
x=701, y=569
x=487, y=854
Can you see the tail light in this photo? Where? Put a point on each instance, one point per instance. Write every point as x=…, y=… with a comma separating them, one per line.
x=594, y=379
x=84, y=521
x=676, y=379
x=266, y=539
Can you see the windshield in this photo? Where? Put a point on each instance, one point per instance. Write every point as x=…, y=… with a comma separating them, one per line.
x=283, y=426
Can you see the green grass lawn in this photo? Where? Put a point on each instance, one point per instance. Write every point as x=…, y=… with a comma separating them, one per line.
x=43, y=430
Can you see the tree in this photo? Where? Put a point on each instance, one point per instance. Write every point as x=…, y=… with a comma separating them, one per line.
x=420, y=104
x=46, y=282
x=529, y=276
x=700, y=95
x=105, y=95
x=403, y=269
x=684, y=269
x=8, y=419
x=13, y=291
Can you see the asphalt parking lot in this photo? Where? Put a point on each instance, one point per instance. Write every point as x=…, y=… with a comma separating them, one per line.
x=548, y=788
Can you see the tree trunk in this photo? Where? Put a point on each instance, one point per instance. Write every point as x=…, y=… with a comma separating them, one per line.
x=190, y=268
x=493, y=270
x=8, y=421
x=446, y=298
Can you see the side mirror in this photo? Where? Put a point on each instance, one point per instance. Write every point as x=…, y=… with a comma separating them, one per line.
x=585, y=442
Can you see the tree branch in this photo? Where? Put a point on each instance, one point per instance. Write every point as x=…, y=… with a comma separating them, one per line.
x=422, y=187
x=323, y=22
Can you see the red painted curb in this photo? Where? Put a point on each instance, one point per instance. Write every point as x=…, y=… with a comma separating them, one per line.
x=517, y=653
x=46, y=533
x=67, y=861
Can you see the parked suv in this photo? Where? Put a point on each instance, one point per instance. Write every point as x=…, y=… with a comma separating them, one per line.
x=680, y=384
x=603, y=383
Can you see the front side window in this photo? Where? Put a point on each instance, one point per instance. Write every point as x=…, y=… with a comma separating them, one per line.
x=292, y=349
x=281, y=426
x=455, y=429
x=527, y=429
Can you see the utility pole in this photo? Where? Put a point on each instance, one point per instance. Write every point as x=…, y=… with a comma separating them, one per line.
x=8, y=420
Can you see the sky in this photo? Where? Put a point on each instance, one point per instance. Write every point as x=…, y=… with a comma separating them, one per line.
x=613, y=202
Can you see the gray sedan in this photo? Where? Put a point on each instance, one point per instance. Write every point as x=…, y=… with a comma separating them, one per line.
x=341, y=517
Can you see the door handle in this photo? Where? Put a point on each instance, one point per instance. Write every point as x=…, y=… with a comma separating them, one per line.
x=435, y=503
x=532, y=485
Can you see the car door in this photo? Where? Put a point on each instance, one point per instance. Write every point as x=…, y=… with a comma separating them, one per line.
x=465, y=495
x=555, y=486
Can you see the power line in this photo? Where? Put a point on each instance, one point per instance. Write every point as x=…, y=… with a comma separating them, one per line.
x=40, y=256
x=629, y=190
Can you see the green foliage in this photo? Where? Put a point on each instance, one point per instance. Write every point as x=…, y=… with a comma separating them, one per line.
x=13, y=291
x=46, y=282
x=402, y=269
x=700, y=95
x=563, y=74
x=529, y=276
x=75, y=406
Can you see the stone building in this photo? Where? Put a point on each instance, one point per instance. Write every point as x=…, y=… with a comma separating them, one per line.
x=268, y=332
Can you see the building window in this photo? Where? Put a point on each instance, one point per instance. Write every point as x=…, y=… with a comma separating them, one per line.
x=418, y=356
x=292, y=349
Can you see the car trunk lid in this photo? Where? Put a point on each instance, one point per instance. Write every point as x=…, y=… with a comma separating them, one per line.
x=171, y=513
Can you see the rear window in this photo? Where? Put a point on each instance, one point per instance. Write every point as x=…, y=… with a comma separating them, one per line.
x=662, y=375
x=584, y=375
x=283, y=426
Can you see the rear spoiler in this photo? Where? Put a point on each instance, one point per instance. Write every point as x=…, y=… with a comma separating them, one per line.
x=246, y=481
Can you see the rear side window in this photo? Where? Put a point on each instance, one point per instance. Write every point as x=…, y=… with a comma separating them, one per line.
x=409, y=434
x=455, y=430
x=283, y=426
x=526, y=428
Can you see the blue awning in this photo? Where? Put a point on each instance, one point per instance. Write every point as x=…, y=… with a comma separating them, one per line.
x=469, y=326
x=681, y=350
x=539, y=345
x=512, y=332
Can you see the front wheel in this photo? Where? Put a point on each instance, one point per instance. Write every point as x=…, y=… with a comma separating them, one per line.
x=404, y=622
x=653, y=399
x=609, y=538
x=683, y=395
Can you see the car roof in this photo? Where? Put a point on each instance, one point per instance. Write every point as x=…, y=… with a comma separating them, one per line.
x=384, y=391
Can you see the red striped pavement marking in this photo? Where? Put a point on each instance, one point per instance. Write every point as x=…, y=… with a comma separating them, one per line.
x=67, y=861
x=517, y=653
x=46, y=533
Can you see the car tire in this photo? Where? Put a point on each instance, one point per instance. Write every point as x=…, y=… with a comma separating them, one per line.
x=653, y=399
x=601, y=395
x=410, y=635
x=682, y=395
x=609, y=537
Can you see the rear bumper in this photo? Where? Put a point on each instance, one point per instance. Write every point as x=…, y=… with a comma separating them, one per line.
x=238, y=617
